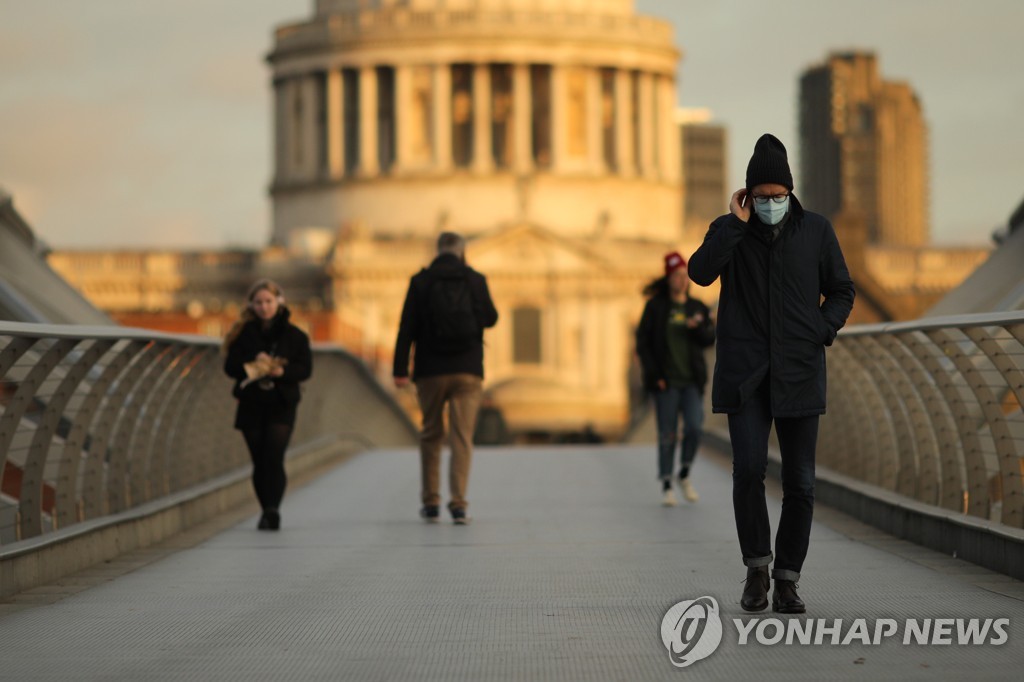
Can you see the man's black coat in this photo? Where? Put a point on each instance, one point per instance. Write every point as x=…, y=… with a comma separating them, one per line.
x=413, y=327
x=771, y=317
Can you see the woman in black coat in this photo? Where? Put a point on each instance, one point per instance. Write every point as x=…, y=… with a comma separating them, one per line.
x=267, y=356
x=670, y=341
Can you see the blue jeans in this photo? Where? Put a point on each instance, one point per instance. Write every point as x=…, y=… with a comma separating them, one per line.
x=668, y=406
x=748, y=431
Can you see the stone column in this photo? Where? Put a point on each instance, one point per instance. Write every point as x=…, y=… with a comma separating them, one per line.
x=309, y=164
x=281, y=128
x=656, y=124
x=592, y=334
x=442, y=117
x=335, y=135
x=559, y=124
x=483, y=157
x=671, y=163
x=595, y=123
x=624, y=124
x=403, y=118
x=295, y=119
x=368, y=121
x=522, y=116
x=645, y=153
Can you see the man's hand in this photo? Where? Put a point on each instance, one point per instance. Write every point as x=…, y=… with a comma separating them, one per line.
x=739, y=205
x=662, y=385
x=694, y=322
x=401, y=382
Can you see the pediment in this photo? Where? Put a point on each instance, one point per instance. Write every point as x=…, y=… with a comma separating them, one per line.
x=527, y=248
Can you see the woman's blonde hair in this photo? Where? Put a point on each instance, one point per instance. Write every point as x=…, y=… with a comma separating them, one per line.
x=247, y=312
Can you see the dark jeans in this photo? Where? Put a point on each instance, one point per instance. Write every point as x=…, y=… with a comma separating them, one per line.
x=668, y=406
x=267, y=445
x=748, y=430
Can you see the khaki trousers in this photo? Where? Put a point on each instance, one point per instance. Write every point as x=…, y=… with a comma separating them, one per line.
x=462, y=392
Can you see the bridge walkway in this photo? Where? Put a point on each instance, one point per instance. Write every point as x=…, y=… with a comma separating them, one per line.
x=565, y=573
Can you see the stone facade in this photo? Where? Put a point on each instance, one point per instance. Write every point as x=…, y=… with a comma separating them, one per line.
x=561, y=355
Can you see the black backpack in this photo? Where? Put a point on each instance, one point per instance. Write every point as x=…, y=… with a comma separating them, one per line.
x=452, y=324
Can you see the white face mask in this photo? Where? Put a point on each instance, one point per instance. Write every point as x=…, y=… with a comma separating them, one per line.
x=771, y=213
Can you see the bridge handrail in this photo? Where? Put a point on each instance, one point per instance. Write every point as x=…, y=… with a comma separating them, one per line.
x=98, y=420
x=928, y=323
x=931, y=409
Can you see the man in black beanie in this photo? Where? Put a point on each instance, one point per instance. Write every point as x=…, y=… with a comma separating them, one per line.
x=776, y=261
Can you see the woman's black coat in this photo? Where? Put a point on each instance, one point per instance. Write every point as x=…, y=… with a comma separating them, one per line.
x=282, y=339
x=652, y=339
x=771, y=317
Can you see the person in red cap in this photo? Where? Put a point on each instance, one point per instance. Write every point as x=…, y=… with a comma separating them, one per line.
x=670, y=341
x=786, y=291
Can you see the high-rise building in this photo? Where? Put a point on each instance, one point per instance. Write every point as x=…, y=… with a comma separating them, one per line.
x=863, y=149
x=705, y=196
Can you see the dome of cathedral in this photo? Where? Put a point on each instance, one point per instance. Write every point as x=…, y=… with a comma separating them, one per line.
x=403, y=115
x=589, y=6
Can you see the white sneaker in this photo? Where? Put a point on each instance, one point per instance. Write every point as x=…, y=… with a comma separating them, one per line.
x=688, y=492
x=668, y=499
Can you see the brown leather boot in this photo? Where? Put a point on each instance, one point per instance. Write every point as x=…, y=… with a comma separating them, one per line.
x=785, y=599
x=755, y=592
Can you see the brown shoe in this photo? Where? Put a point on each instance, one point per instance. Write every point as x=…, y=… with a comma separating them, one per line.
x=755, y=592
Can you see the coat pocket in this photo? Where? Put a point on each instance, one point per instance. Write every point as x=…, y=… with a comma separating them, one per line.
x=827, y=335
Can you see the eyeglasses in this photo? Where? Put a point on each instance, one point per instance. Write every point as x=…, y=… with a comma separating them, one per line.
x=777, y=198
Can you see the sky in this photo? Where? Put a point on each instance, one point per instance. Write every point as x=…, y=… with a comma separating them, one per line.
x=144, y=124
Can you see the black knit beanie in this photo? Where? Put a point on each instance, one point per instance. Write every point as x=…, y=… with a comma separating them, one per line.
x=769, y=164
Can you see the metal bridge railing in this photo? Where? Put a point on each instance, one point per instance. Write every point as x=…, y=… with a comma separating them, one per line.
x=931, y=409
x=97, y=420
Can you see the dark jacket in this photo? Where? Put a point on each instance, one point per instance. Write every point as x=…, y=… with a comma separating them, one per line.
x=281, y=339
x=652, y=339
x=413, y=327
x=771, y=321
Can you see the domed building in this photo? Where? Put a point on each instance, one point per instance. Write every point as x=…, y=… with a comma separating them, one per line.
x=476, y=113
x=543, y=130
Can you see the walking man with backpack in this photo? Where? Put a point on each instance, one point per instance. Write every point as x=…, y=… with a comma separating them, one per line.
x=446, y=310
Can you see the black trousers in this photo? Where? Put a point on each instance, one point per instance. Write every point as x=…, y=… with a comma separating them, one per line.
x=748, y=431
x=267, y=444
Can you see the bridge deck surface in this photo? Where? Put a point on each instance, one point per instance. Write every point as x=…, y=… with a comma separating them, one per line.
x=565, y=573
